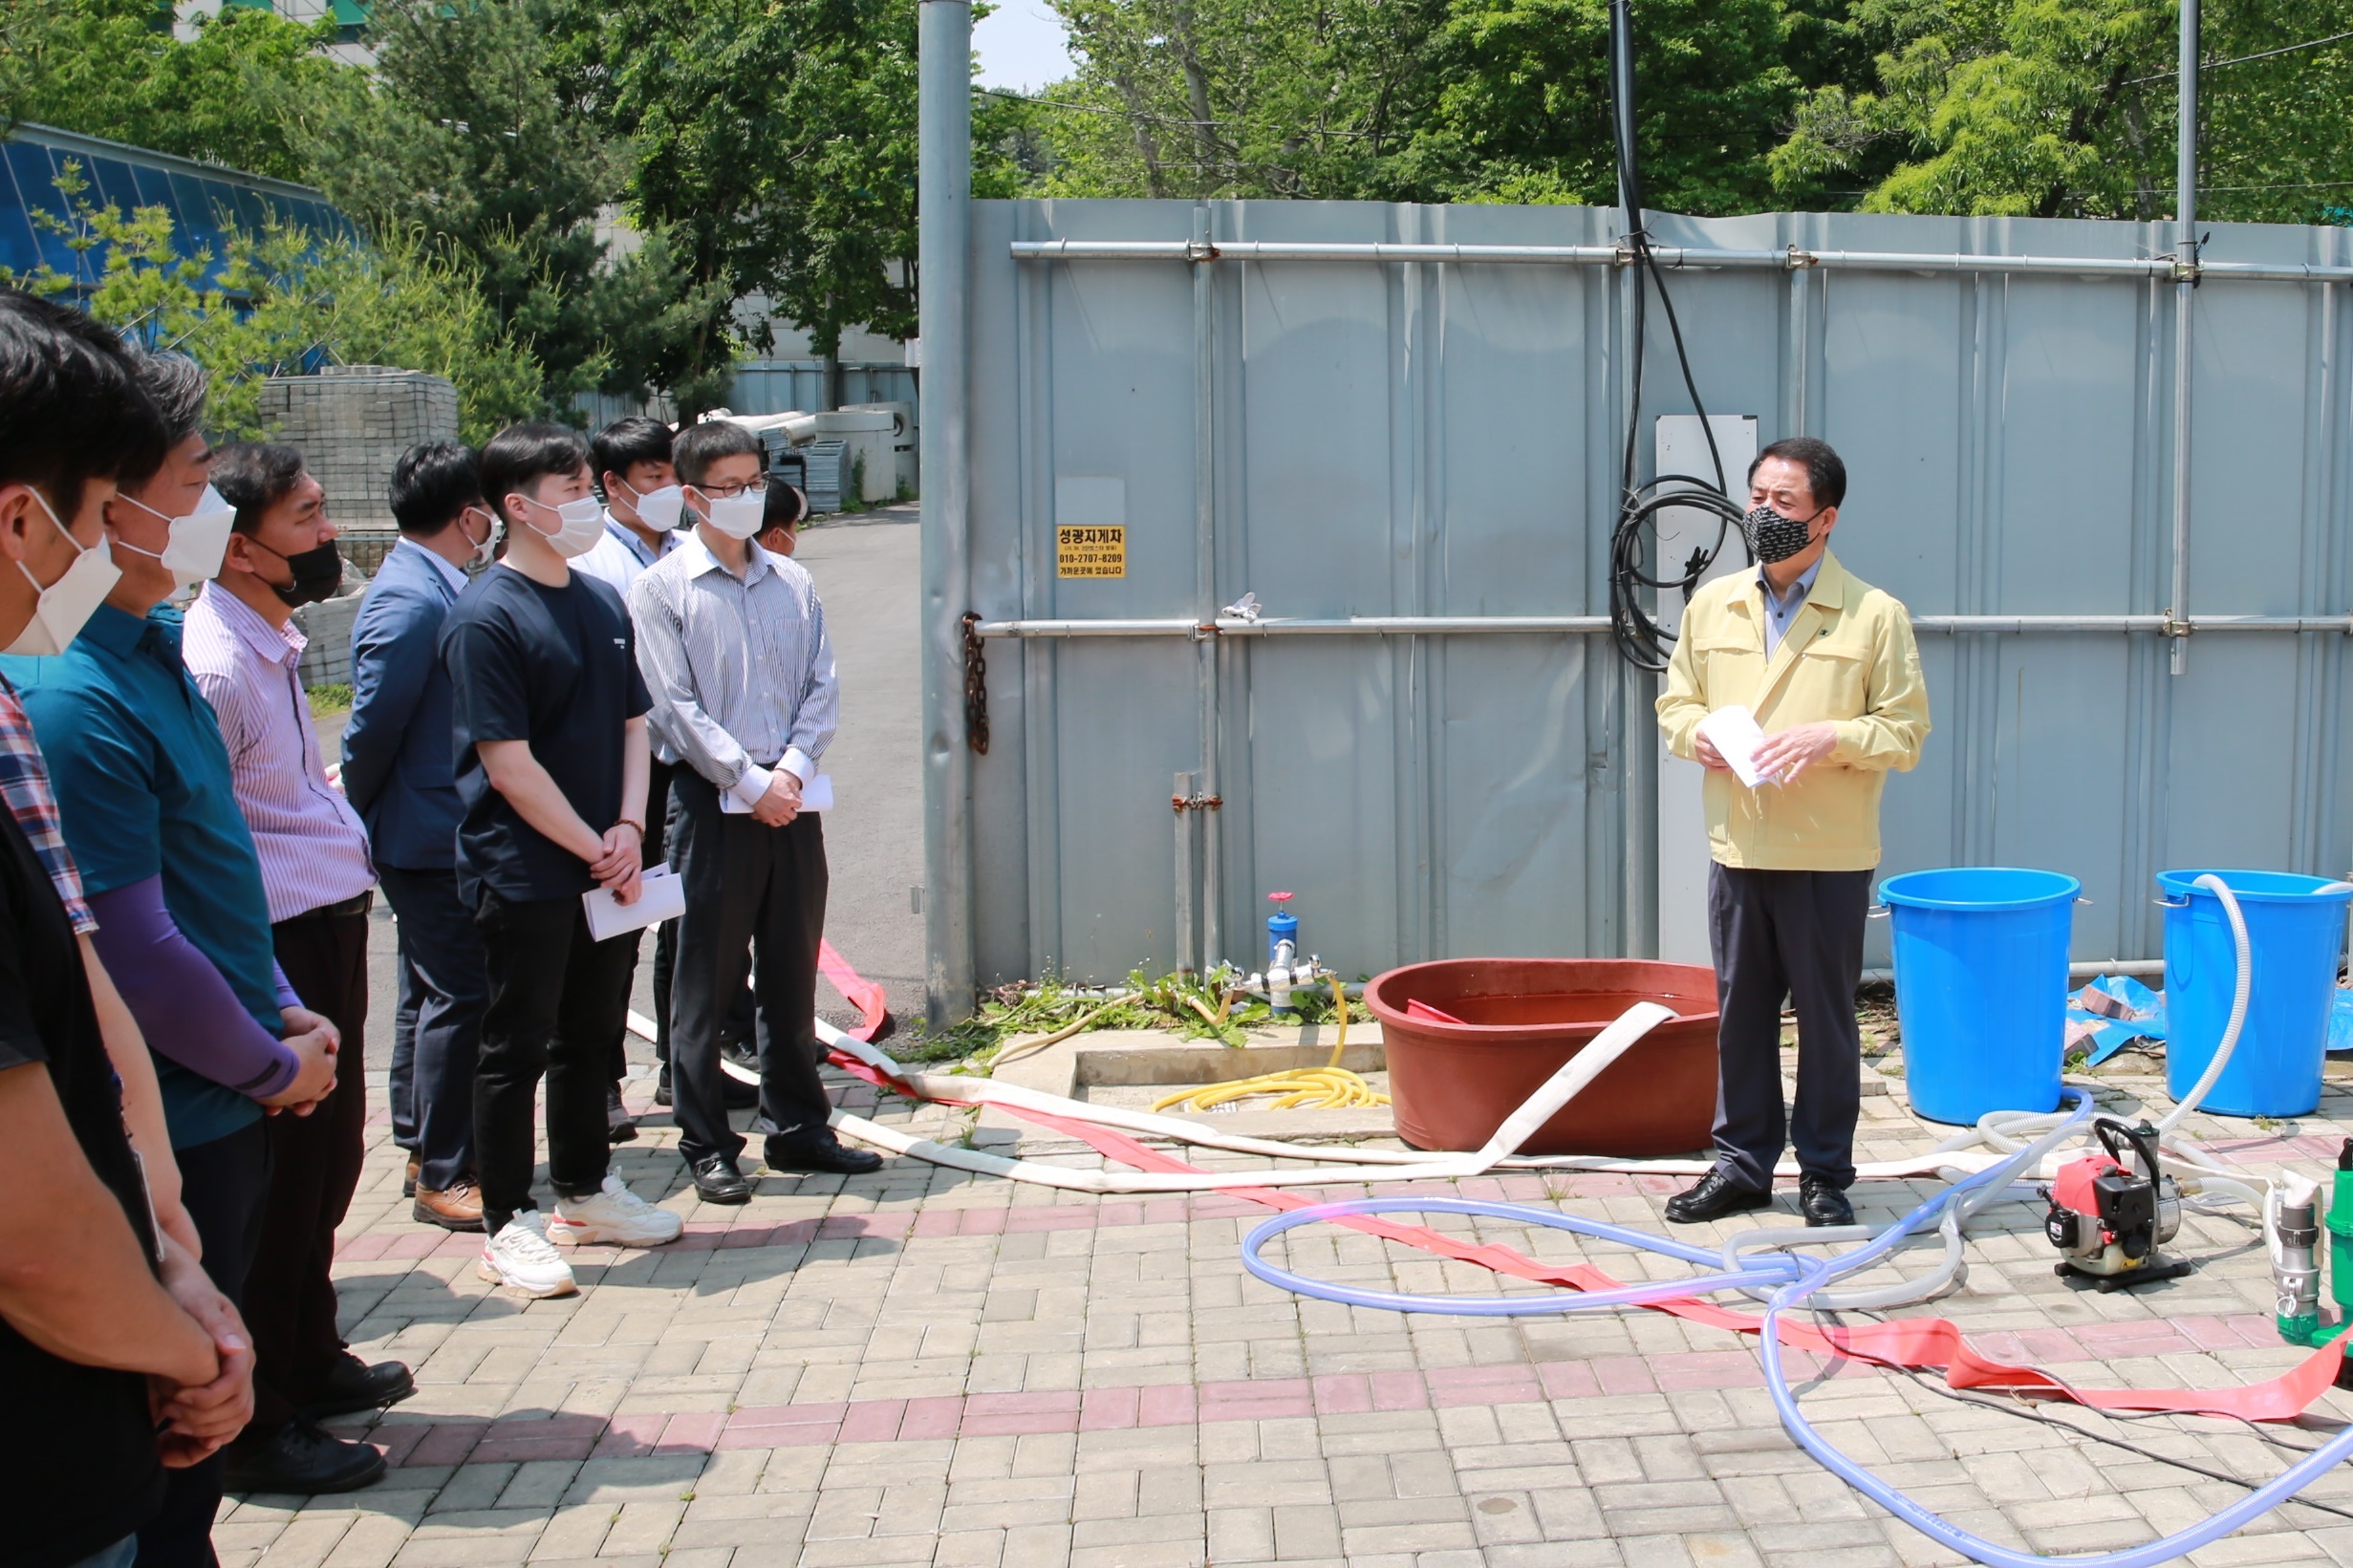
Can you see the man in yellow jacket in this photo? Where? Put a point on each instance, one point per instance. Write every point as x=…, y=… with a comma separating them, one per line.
x=1826, y=664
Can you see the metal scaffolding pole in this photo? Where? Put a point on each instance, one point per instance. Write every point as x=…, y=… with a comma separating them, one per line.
x=945, y=197
x=2185, y=296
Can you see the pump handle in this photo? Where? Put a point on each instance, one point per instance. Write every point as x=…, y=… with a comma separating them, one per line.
x=2143, y=1139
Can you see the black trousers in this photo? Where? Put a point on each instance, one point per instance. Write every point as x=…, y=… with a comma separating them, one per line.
x=665, y=936
x=224, y=1185
x=556, y=996
x=1796, y=934
x=443, y=990
x=315, y=1163
x=755, y=898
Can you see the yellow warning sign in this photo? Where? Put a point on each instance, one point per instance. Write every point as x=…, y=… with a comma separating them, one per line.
x=1091, y=553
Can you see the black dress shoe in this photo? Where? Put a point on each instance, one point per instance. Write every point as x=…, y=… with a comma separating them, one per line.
x=1823, y=1204
x=818, y=1150
x=301, y=1459
x=356, y=1385
x=719, y=1180
x=662, y=1086
x=1715, y=1196
x=619, y=1128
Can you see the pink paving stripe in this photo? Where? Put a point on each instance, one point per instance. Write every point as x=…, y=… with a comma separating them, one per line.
x=517, y=1438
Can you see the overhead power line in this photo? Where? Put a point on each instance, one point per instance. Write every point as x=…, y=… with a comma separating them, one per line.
x=2242, y=59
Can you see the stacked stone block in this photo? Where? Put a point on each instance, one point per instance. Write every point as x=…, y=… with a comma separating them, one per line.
x=351, y=423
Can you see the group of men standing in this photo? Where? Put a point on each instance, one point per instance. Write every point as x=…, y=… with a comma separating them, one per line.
x=185, y=896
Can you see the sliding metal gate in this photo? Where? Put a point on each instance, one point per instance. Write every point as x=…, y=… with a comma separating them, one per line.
x=1399, y=427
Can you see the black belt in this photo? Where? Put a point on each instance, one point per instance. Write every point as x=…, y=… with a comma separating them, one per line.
x=357, y=904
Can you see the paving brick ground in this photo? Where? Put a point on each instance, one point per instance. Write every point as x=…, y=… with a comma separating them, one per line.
x=920, y=1367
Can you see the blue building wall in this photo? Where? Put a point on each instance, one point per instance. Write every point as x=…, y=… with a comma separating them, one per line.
x=202, y=200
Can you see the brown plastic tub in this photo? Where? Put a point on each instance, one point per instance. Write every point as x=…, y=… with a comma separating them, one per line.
x=1453, y=1084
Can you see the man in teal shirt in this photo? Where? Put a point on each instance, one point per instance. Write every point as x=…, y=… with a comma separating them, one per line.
x=145, y=803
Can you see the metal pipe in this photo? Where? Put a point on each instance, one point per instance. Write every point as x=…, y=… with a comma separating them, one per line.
x=944, y=254
x=1180, y=807
x=1405, y=626
x=2185, y=296
x=1791, y=259
x=1205, y=578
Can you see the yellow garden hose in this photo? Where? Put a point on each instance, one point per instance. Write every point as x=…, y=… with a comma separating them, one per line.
x=1328, y=1087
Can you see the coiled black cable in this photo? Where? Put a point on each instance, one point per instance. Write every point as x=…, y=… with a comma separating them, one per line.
x=1641, y=641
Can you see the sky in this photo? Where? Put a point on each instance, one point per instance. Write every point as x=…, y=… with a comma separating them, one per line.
x=1021, y=46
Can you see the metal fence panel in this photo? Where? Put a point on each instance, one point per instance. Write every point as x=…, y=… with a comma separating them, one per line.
x=1441, y=439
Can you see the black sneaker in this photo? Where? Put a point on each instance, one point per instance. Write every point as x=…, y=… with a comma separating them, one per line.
x=301, y=1459
x=619, y=1128
x=1713, y=1197
x=662, y=1086
x=356, y=1385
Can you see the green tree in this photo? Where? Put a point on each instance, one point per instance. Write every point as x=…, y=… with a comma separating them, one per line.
x=1415, y=99
x=472, y=139
x=2067, y=108
x=223, y=97
x=774, y=140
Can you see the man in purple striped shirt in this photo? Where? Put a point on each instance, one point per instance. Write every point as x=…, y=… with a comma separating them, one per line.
x=243, y=650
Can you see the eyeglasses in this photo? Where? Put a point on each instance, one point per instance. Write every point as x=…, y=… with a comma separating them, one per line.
x=728, y=492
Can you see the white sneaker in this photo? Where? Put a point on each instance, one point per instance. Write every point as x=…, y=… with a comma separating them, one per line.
x=615, y=1216
x=520, y=1258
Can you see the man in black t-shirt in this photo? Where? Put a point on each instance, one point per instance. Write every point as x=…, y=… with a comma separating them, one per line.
x=118, y=1356
x=551, y=755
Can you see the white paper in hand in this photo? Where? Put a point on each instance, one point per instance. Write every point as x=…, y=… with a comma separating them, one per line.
x=816, y=795
x=662, y=896
x=1733, y=731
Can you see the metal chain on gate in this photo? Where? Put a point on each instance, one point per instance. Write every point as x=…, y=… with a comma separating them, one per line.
x=975, y=687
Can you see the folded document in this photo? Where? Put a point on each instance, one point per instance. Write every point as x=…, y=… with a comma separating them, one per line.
x=816, y=795
x=1733, y=731
x=662, y=896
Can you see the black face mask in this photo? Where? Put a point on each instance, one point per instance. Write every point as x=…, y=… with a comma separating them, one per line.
x=1773, y=537
x=317, y=574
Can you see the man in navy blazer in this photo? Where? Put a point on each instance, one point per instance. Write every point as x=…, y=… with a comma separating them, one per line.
x=398, y=771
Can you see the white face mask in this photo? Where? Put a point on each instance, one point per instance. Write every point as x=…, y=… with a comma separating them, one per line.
x=660, y=509
x=65, y=604
x=581, y=524
x=198, y=541
x=737, y=516
x=488, y=550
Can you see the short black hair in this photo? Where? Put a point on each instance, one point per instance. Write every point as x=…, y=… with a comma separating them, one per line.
x=624, y=442
x=699, y=446
x=522, y=455
x=71, y=408
x=179, y=386
x=253, y=476
x=433, y=483
x=787, y=507
x=1825, y=471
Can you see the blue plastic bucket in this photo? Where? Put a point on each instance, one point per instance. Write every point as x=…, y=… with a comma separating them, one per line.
x=1981, y=987
x=2293, y=934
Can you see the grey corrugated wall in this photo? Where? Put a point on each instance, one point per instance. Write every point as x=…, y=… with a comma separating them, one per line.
x=1423, y=439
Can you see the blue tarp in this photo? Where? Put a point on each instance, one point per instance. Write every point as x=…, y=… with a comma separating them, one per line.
x=2146, y=1016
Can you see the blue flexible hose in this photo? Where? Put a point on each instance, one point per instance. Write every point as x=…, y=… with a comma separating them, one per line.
x=1798, y=1279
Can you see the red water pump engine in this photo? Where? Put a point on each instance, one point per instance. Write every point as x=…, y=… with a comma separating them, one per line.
x=2106, y=1219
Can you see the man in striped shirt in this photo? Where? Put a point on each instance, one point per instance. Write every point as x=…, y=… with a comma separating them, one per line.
x=732, y=643
x=244, y=650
